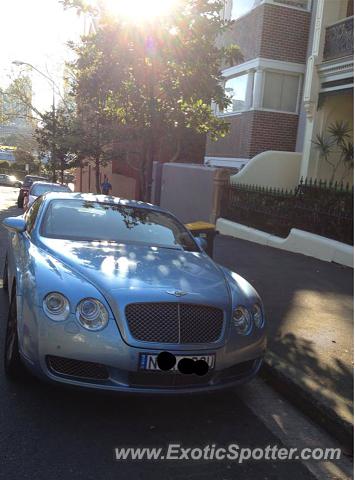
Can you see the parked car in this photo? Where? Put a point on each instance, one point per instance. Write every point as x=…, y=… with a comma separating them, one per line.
x=9, y=180
x=118, y=295
x=39, y=188
x=29, y=179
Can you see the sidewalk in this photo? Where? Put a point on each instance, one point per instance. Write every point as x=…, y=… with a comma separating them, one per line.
x=309, y=310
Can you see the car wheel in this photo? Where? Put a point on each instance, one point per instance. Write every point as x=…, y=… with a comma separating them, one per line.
x=5, y=278
x=14, y=368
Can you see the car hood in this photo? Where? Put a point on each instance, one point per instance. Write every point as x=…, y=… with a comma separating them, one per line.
x=139, y=271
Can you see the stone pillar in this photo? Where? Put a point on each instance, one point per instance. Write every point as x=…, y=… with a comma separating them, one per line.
x=258, y=87
x=250, y=89
x=311, y=92
x=220, y=179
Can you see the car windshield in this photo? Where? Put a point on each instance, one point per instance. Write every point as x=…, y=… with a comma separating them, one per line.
x=38, y=190
x=90, y=221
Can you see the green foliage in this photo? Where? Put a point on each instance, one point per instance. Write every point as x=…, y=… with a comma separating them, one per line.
x=23, y=156
x=347, y=149
x=339, y=132
x=4, y=165
x=16, y=101
x=58, y=133
x=324, y=144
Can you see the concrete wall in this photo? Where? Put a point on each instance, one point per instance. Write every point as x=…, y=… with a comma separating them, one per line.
x=271, y=169
x=187, y=191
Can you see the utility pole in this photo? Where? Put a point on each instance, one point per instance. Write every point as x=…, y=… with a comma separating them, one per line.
x=54, y=122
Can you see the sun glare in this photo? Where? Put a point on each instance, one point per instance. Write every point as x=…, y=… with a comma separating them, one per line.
x=140, y=10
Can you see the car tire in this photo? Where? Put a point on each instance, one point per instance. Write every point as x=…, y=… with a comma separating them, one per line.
x=5, y=278
x=14, y=368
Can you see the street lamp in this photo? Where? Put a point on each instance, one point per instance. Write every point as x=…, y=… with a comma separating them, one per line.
x=19, y=63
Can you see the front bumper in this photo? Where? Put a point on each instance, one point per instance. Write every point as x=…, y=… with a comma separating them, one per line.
x=47, y=340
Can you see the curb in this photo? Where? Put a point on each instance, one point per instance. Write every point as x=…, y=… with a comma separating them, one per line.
x=297, y=241
x=283, y=378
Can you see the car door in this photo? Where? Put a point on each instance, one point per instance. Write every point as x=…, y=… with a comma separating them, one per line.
x=23, y=265
x=18, y=257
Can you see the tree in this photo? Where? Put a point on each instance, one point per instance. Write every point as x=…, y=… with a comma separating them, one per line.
x=17, y=110
x=54, y=125
x=22, y=156
x=151, y=84
x=335, y=147
x=16, y=101
x=58, y=134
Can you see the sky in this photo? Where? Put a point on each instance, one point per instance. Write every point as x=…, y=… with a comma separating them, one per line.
x=35, y=31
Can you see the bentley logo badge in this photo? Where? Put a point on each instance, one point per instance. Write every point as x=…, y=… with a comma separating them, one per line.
x=177, y=293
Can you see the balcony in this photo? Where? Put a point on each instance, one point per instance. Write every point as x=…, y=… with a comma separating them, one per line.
x=339, y=39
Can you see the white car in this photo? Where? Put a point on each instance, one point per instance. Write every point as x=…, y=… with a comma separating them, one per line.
x=40, y=188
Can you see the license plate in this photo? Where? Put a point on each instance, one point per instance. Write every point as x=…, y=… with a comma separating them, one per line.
x=148, y=361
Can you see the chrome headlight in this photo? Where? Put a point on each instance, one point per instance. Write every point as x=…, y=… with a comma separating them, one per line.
x=91, y=314
x=56, y=306
x=257, y=315
x=242, y=320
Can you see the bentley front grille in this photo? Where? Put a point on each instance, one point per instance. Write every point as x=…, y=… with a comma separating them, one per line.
x=174, y=323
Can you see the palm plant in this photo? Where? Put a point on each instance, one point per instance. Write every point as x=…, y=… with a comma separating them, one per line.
x=348, y=157
x=335, y=148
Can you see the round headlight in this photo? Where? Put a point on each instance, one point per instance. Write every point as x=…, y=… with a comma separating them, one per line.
x=242, y=320
x=257, y=315
x=91, y=314
x=56, y=306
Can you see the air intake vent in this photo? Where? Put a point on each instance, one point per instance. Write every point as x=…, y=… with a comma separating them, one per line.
x=77, y=368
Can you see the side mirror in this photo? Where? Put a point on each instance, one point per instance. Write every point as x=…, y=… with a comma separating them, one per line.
x=201, y=242
x=15, y=224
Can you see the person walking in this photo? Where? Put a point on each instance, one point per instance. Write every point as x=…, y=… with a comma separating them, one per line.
x=106, y=186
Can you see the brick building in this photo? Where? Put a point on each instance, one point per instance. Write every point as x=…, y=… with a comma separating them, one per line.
x=266, y=88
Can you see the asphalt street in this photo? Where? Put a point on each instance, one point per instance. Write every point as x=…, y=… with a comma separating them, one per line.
x=48, y=432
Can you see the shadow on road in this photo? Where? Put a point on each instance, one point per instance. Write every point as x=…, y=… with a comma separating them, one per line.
x=309, y=308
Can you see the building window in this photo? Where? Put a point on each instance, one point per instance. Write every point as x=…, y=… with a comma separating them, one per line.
x=237, y=90
x=302, y=4
x=281, y=92
x=241, y=7
x=237, y=8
